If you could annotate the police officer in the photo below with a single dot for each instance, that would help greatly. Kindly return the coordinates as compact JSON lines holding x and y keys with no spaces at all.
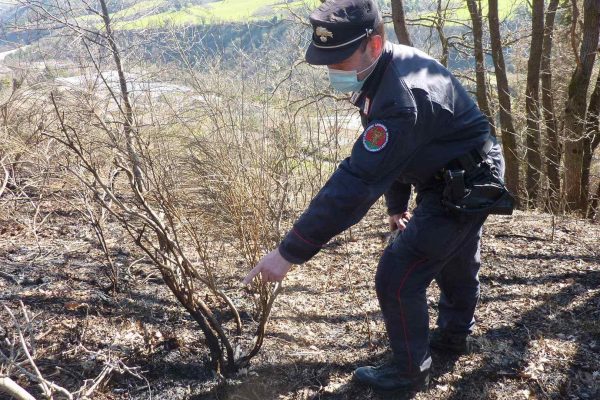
{"x":421,"y":129}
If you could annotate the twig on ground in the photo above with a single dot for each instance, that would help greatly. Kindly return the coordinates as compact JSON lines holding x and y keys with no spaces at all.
{"x":11,"y":388}
{"x":20,"y":356}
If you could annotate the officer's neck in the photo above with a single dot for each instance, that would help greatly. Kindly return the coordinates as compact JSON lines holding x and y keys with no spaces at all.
{"x":372,"y":81}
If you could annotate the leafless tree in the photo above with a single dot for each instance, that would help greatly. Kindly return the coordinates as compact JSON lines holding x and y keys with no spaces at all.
{"x":591,"y":141}
{"x":480,"y":70}
{"x":399,"y":18}
{"x":576,"y":107}
{"x":532,"y":106}
{"x":552,"y":149}
{"x":509,"y":139}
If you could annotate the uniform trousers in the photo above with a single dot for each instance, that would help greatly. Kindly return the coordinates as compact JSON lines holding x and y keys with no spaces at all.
{"x":436,"y":244}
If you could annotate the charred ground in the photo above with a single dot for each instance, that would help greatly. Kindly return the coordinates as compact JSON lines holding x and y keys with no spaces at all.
{"x":537,"y":320}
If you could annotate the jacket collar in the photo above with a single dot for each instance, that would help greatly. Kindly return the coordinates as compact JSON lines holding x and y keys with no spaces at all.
{"x":373,"y":81}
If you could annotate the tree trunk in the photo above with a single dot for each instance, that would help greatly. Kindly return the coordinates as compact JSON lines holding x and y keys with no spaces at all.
{"x":509,"y":141}
{"x":482,"y":98}
{"x":400,"y":23}
{"x":532,"y":106}
{"x":11,"y":388}
{"x":594,"y":209}
{"x":573,"y":30}
{"x":590,"y":142}
{"x":552,"y":148}
{"x":127,"y":111}
{"x":575,"y":107}
{"x":439,"y":26}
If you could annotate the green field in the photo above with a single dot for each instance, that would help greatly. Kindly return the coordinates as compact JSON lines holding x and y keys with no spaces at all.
{"x":139,"y":8}
{"x":158,"y":13}
{"x":219,"y":11}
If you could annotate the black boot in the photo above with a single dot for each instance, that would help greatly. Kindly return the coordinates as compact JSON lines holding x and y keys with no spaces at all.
{"x":388,"y":377}
{"x":452,"y":342}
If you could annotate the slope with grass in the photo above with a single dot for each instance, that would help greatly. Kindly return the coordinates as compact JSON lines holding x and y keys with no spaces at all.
{"x":150,"y":14}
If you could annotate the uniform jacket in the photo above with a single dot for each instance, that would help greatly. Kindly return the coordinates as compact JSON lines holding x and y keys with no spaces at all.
{"x":416,"y":117}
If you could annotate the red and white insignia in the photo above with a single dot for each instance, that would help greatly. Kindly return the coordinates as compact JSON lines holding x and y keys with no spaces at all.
{"x":367,"y":106}
{"x":375,"y":137}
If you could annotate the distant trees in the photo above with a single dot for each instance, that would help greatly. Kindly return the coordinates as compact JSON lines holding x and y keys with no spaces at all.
{"x":591,"y":141}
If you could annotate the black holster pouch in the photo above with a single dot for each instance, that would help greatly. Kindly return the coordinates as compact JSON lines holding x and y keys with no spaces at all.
{"x":471,"y":186}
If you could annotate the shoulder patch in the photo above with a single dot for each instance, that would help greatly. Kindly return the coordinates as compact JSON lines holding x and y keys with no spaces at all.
{"x":375,"y":137}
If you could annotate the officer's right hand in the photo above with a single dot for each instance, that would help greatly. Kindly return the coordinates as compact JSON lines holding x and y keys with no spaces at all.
{"x":399,"y":221}
{"x":272,"y":268}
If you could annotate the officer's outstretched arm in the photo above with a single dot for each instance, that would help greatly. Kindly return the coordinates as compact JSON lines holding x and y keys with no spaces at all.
{"x":377,"y":159}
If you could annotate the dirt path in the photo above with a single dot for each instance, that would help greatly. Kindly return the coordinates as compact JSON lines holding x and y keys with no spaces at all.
{"x":5,"y":54}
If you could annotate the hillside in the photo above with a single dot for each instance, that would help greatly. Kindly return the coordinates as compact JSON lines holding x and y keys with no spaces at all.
{"x":155,"y":13}
{"x":245,"y":24}
{"x":148,"y":14}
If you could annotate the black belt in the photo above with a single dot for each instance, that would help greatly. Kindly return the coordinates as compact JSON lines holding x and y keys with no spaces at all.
{"x":473,"y":158}
{"x":471,"y":184}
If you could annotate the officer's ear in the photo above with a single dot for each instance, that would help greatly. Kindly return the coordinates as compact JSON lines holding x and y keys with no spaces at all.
{"x":375,"y":45}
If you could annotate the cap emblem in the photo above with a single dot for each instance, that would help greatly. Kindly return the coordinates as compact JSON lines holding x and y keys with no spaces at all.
{"x":323,"y":33}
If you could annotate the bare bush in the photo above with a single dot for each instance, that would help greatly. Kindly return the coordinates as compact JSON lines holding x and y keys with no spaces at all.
{"x":197,"y":174}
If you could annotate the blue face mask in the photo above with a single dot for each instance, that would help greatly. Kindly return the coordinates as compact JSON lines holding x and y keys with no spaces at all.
{"x":347,"y":81}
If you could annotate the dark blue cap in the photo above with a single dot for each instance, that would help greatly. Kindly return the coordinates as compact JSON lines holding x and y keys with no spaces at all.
{"x":338,"y":29}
